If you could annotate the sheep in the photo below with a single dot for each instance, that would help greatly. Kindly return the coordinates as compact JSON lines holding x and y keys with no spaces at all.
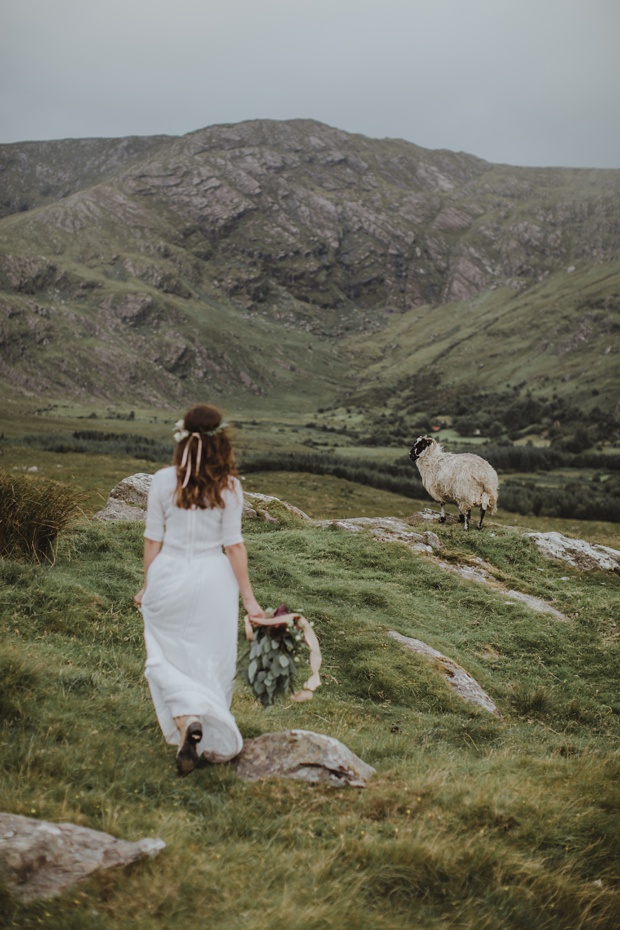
{"x":466,"y":479}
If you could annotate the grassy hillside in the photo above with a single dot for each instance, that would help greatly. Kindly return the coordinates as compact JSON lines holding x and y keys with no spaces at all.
{"x":470,"y":822}
{"x":482,"y":359}
{"x":242,"y":261}
{"x":76,"y":323}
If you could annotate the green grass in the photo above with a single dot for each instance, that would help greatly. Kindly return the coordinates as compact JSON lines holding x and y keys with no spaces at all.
{"x":324,"y":497}
{"x":470,"y":821}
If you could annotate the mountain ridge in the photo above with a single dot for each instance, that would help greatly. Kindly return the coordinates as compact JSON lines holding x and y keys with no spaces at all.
{"x":163,"y":253}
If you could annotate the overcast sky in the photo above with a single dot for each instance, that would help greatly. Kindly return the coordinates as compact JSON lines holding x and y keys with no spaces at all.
{"x":528,"y":82}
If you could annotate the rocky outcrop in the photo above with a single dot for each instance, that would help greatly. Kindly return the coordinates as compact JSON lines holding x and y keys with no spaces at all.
{"x":393,"y":530}
{"x":388,"y":529}
{"x":428,"y":515}
{"x":576,"y":552}
{"x":303,"y":756}
{"x":270,"y":509}
{"x":333,"y":217}
{"x":482,"y":573}
{"x":460,"y":681}
{"x":35,"y":173}
{"x":128,"y":499}
{"x":40,"y":859}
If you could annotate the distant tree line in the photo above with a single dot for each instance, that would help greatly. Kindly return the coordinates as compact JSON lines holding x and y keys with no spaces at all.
{"x":96,"y":442}
{"x":495,"y":415}
{"x":399,"y":478}
{"x":576,"y":498}
{"x":596,"y":498}
{"x":506,"y":457}
{"x":571,"y":501}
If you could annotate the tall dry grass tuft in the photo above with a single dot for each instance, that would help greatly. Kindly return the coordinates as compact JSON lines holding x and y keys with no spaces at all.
{"x":32,"y":515}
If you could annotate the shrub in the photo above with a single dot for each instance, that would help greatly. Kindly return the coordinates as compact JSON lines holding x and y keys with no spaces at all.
{"x":32,"y":514}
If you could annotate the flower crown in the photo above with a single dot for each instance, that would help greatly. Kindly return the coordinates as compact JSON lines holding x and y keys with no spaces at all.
{"x":180,"y":433}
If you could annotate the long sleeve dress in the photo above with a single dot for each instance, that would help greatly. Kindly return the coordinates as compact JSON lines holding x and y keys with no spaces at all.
{"x":190,"y":609}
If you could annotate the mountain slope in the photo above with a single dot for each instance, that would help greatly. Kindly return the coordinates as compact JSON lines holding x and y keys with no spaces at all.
{"x":559,"y":338}
{"x":36,"y":173}
{"x":222,"y":261}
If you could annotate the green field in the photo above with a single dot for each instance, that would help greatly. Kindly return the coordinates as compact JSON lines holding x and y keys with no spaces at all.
{"x":324,"y":471}
{"x":470,"y":821}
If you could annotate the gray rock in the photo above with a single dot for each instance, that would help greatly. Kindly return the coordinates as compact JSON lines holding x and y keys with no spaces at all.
{"x":304,"y":756}
{"x":119,"y":510}
{"x":537,"y":604}
{"x":432,"y":539}
{"x":257,"y":507}
{"x":133,"y":490}
{"x":460,"y":681}
{"x":481,"y":574}
{"x":388,"y":529}
{"x":577,"y":552}
{"x":128,"y":499}
{"x":39,"y":859}
{"x":427,"y":515}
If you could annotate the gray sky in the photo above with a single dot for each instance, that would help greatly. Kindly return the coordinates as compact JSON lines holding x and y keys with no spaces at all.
{"x":528,"y":82}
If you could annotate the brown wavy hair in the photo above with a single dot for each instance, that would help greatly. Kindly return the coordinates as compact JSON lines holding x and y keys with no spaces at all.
{"x":212,"y":474}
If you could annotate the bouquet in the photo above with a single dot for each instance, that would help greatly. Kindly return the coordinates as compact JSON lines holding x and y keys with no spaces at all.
{"x":275,"y":652}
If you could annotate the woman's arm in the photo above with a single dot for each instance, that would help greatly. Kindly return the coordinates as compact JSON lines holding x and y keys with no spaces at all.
{"x":152,"y":549}
{"x":238,"y":558}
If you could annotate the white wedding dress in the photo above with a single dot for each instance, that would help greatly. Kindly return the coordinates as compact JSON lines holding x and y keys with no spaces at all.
{"x":190,"y":609}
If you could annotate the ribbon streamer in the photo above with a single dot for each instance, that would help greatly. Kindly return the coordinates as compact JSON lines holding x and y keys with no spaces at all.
{"x":306,"y":693}
{"x":186,"y":461}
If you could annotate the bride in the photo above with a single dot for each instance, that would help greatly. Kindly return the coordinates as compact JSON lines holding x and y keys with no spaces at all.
{"x":190,"y":598}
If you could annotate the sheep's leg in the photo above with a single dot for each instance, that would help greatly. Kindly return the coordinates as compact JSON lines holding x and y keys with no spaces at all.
{"x":482,"y":513}
{"x":442,"y":513}
{"x":466,"y":519}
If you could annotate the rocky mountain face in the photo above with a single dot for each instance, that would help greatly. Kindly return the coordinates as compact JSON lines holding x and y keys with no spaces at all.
{"x":333,"y":218}
{"x":161,"y":250}
{"x":35,"y":173}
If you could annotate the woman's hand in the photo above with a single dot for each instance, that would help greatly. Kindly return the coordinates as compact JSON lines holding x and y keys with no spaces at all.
{"x":138,"y":597}
{"x":253,"y":608}
{"x":254,"y":612}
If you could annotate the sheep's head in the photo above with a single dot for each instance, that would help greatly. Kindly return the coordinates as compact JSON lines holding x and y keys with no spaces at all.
{"x":421,"y":444}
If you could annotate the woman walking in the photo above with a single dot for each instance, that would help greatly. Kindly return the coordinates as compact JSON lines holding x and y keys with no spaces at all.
{"x":190,"y":598}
